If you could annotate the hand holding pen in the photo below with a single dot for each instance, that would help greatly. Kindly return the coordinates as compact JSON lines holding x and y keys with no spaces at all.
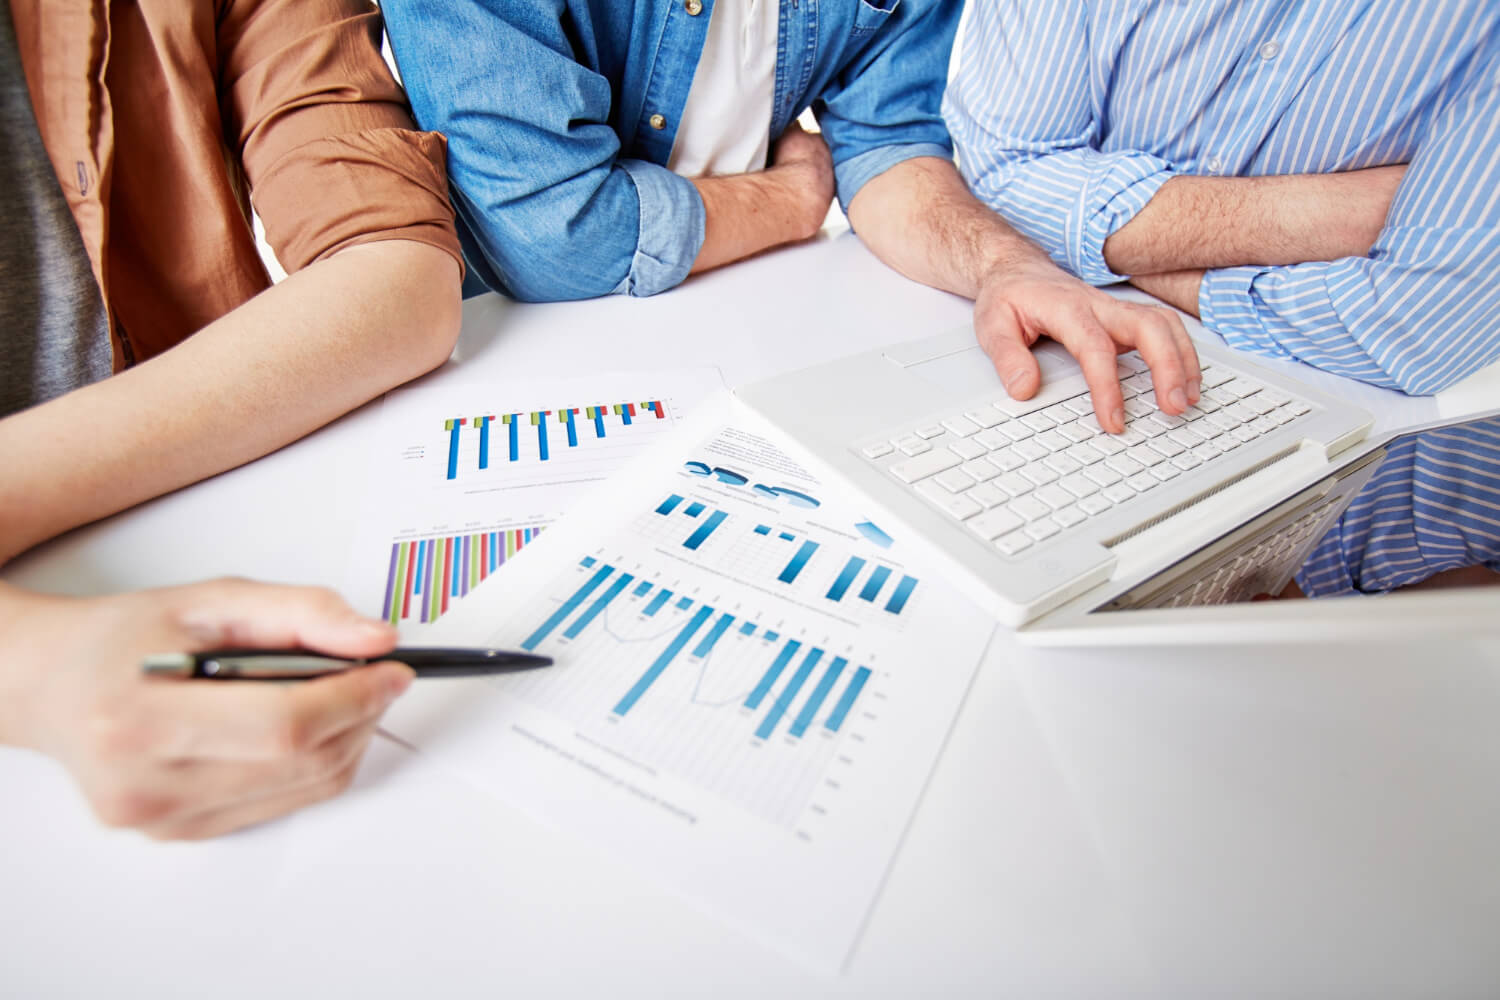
{"x":188,"y":759}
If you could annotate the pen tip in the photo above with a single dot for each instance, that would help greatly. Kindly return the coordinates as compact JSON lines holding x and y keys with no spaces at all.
{"x":168,"y":663}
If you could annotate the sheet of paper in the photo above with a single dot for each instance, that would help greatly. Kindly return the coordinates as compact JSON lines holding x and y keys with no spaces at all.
{"x":751,"y":686}
{"x":462,"y":476}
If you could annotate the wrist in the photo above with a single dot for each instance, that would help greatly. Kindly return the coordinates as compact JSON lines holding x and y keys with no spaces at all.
{"x":806,"y":191}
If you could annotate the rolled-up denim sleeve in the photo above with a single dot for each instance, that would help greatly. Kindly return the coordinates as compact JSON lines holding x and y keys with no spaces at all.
{"x":549,"y":207}
{"x":1027,"y":136}
{"x":886,"y":104}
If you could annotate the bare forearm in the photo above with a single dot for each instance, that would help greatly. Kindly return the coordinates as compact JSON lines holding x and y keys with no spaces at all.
{"x":1175,"y":288}
{"x":1213,"y":222}
{"x":293,"y":358}
{"x":748,"y":213}
{"x":920,"y":219}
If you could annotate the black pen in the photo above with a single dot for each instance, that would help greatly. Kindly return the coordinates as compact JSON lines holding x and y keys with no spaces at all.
{"x":300,"y":664}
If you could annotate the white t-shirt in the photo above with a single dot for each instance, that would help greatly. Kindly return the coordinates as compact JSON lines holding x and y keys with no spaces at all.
{"x":726,"y":125}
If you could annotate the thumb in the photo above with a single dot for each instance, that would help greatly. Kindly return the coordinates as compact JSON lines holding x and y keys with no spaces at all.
{"x":1008,"y":351}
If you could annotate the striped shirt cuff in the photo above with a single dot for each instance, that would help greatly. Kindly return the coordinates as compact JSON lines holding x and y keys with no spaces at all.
{"x":1110,"y":200}
{"x":1226,"y":306}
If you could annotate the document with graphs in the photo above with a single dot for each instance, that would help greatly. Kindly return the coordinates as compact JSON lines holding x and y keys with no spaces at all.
{"x":751,"y":685}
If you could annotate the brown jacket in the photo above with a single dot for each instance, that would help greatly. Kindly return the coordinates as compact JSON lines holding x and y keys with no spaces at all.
{"x":165,"y":119}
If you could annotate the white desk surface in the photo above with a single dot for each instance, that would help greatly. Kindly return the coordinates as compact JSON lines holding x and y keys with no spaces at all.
{"x":1255,"y":822}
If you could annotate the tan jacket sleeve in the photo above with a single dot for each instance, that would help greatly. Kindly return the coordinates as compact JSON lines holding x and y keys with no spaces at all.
{"x":328,"y":145}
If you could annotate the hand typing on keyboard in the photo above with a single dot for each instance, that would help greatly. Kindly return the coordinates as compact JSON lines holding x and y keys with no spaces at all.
{"x":1021,"y":303}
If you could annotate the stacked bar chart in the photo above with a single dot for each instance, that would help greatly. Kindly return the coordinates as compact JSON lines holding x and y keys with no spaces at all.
{"x":535,"y":435}
{"x":785,"y":700}
{"x":426,"y":575}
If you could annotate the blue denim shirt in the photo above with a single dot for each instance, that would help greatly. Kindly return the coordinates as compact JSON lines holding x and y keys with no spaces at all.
{"x":558,"y":176}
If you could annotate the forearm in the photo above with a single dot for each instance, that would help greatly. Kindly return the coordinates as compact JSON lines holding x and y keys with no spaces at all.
{"x":748,"y":213}
{"x":1175,"y":288}
{"x":919,"y":218}
{"x":1214,"y":222}
{"x":298,"y":355}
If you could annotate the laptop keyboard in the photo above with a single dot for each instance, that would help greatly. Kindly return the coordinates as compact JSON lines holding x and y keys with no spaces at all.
{"x":1018,"y":481}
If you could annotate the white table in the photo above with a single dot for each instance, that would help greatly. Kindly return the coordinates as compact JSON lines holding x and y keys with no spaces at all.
{"x":1145,"y":822}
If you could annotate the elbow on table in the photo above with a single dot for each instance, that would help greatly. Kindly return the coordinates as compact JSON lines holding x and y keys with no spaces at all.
{"x":430,"y":303}
{"x":1421,"y":364}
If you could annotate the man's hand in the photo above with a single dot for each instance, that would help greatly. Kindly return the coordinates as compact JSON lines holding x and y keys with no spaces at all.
{"x":806,"y":155}
{"x":191,"y":758}
{"x":1019,"y":303}
{"x":919,"y":218}
{"x":786,"y":202}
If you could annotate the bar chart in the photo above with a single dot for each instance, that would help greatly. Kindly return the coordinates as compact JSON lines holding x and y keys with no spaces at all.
{"x":426,"y":575}
{"x":863,"y":582}
{"x":749,"y":701}
{"x":476,"y":443}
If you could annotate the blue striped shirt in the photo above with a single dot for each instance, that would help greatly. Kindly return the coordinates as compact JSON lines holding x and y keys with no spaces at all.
{"x":1433,"y":505}
{"x":1070,"y":115}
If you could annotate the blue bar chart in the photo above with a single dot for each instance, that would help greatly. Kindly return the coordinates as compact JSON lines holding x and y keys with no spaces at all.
{"x":468,"y":439}
{"x":798,"y":688}
{"x":795,"y":557}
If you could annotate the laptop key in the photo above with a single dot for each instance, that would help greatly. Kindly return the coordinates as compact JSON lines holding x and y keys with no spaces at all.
{"x":1103,"y":475}
{"x":1028,"y":508}
{"x":1079,"y":485}
{"x":955,"y":505}
{"x":992,"y":439}
{"x":1044,"y":529}
{"x":1015,"y":484}
{"x":912,"y":445}
{"x":1117,"y":492}
{"x":1061,"y":464}
{"x":1040,"y":475}
{"x":980,"y":469}
{"x":1097,"y":504}
{"x":1141,"y":482}
{"x":961,"y":426}
{"x":1006,"y":459}
{"x":1054,"y":496}
{"x":967,"y":448}
{"x":935,"y":430}
{"x":988,"y":495}
{"x":1084,"y":454}
{"x":1014,"y":543}
{"x":879,"y":450}
{"x":954,"y":480}
{"x":1069,"y":516}
{"x":1107,"y":444}
{"x":922,"y":466}
{"x":994,"y":523}
{"x":984,"y":417}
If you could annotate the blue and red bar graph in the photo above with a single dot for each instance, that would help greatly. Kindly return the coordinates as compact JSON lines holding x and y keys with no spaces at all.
{"x":567,"y":419}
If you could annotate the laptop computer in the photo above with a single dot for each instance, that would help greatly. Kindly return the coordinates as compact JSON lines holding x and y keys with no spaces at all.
{"x":1032,"y":506}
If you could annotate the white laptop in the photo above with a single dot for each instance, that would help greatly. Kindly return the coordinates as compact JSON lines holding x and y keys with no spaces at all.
{"x":1032,"y":505}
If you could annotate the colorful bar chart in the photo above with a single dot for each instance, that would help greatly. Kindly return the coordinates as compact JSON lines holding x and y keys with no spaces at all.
{"x":426,"y":575}
{"x":565,"y":419}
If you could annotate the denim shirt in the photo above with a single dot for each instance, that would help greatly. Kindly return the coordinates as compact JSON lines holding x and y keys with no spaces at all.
{"x":561,"y":115}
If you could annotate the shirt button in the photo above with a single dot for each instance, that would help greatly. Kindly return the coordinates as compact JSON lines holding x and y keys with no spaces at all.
{"x":1270,"y":50}
{"x":657,"y":122}
{"x":693,"y":7}
{"x":1214,"y":164}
